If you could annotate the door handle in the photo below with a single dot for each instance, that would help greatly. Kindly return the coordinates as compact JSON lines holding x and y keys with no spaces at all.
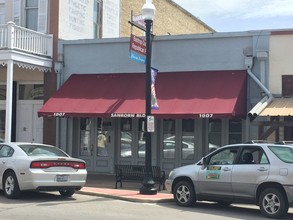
{"x":227,"y":169}
{"x":262,"y":169}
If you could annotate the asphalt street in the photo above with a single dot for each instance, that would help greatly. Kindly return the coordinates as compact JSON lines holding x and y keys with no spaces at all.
{"x":51,"y":206}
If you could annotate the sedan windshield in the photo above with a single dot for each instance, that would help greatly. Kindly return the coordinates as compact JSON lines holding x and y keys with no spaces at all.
{"x":283,"y":153}
{"x":41,"y":150}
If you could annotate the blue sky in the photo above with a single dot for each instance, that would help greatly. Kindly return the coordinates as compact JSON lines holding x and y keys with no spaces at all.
{"x":241,"y":15}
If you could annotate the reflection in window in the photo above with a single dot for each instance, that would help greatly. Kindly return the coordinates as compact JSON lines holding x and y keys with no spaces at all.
{"x":102,"y":144}
{"x":126,"y":137}
{"x":85,"y":128}
{"x":31,"y":92}
{"x":168,"y":138}
{"x":235,"y":131}
{"x":187,"y":147}
{"x":224,"y":157}
{"x":141,"y":138}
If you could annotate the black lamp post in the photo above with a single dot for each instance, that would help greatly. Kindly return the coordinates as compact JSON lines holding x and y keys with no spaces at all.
{"x":148,"y":187}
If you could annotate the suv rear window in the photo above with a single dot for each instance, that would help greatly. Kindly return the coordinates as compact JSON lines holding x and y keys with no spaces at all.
{"x":283,"y":153}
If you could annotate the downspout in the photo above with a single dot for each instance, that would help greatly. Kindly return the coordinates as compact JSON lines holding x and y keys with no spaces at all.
{"x":254,"y":112}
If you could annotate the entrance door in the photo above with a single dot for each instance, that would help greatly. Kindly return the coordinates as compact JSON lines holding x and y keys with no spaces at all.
{"x":29,"y":127}
{"x":96,"y":144}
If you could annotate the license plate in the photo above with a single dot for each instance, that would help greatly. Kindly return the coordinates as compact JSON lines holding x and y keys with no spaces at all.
{"x":62,"y":178}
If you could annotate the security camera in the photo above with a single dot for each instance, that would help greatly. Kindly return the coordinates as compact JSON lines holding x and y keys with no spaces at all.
{"x":58,"y":66}
{"x":248,"y":62}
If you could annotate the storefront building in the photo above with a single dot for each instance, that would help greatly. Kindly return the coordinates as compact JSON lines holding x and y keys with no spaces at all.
{"x":203,"y":89}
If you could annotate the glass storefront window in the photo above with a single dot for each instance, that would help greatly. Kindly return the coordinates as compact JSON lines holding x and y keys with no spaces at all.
{"x":141,"y":138}
{"x":2,"y":125}
{"x":85,"y":128}
{"x":31,"y":92}
{"x":169,"y":139}
{"x":102,"y":143}
{"x":126,"y":137}
{"x":215,"y":133}
{"x":235,"y":131}
{"x":2,"y":92}
{"x":187,"y":147}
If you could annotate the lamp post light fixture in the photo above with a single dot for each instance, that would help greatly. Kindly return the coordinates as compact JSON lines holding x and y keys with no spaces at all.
{"x":148,"y":187}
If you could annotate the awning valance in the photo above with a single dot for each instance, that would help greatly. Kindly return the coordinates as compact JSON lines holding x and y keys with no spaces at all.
{"x":209,"y":94}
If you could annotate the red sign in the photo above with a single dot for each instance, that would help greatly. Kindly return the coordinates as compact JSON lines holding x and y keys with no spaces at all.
{"x":137,"y":45}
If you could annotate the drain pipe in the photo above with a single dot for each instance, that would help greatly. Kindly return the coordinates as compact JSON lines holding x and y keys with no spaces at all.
{"x":254,"y":112}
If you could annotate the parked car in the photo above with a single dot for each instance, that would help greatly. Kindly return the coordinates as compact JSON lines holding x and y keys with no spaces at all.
{"x":27,"y":166}
{"x":257,"y":173}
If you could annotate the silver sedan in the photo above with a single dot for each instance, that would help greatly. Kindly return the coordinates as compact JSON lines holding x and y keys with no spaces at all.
{"x":40,"y":167}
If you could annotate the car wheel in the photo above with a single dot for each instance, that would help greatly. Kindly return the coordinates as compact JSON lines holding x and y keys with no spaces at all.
{"x":11,"y":187}
{"x":272,"y":203}
{"x":67,"y":192}
{"x":184,"y":194}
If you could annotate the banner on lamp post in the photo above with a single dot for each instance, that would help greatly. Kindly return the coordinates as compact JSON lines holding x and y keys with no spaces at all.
{"x":154,"y":100}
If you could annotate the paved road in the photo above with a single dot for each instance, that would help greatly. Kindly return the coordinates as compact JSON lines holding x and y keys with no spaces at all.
{"x":50,"y":206}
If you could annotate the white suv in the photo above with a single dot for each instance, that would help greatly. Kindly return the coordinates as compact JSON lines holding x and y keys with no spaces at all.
{"x":257,"y":173}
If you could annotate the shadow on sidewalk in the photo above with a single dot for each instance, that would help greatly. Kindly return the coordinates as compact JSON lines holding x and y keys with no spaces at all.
{"x":108,"y":181}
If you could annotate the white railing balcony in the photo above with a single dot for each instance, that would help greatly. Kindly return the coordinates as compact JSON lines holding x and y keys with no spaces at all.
{"x":14,"y":37}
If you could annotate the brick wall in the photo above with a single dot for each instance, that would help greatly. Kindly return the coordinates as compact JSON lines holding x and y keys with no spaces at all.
{"x":169,"y":19}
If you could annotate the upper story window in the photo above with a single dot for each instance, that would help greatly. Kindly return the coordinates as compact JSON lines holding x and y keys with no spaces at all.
{"x":97,"y":18}
{"x":31,"y":11}
{"x":32,"y":14}
{"x":2,"y":13}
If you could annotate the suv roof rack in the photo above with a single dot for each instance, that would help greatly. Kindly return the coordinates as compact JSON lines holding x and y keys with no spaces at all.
{"x":259,"y":141}
{"x":284,"y":142}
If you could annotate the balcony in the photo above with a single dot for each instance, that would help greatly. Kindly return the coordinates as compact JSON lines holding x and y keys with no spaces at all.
{"x":25,"y":46}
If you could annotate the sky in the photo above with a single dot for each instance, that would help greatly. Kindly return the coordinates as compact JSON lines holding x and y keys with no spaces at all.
{"x":241,"y":15}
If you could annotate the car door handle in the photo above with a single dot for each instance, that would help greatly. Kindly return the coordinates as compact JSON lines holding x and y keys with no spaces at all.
{"x":262,"y":169}
{"x":3,"y":162}
{"x":226,"y":169}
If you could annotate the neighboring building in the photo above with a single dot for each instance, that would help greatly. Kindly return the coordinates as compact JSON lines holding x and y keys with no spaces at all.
{"x":26,"y":56}
{"x":276,"y":122}
{"x":170,"y":19}
{"x":67,"y":20}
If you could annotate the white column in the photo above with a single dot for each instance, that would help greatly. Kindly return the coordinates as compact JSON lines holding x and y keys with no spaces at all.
{"x":9,"y":86}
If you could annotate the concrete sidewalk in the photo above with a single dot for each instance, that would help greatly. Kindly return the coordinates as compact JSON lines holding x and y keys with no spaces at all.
{"x":104,"y":185}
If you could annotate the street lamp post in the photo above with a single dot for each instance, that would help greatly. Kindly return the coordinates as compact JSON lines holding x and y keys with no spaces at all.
{"x":148,"y":187}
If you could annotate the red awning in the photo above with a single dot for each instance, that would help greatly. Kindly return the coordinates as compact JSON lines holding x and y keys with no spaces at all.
{"x":213,"y":94}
